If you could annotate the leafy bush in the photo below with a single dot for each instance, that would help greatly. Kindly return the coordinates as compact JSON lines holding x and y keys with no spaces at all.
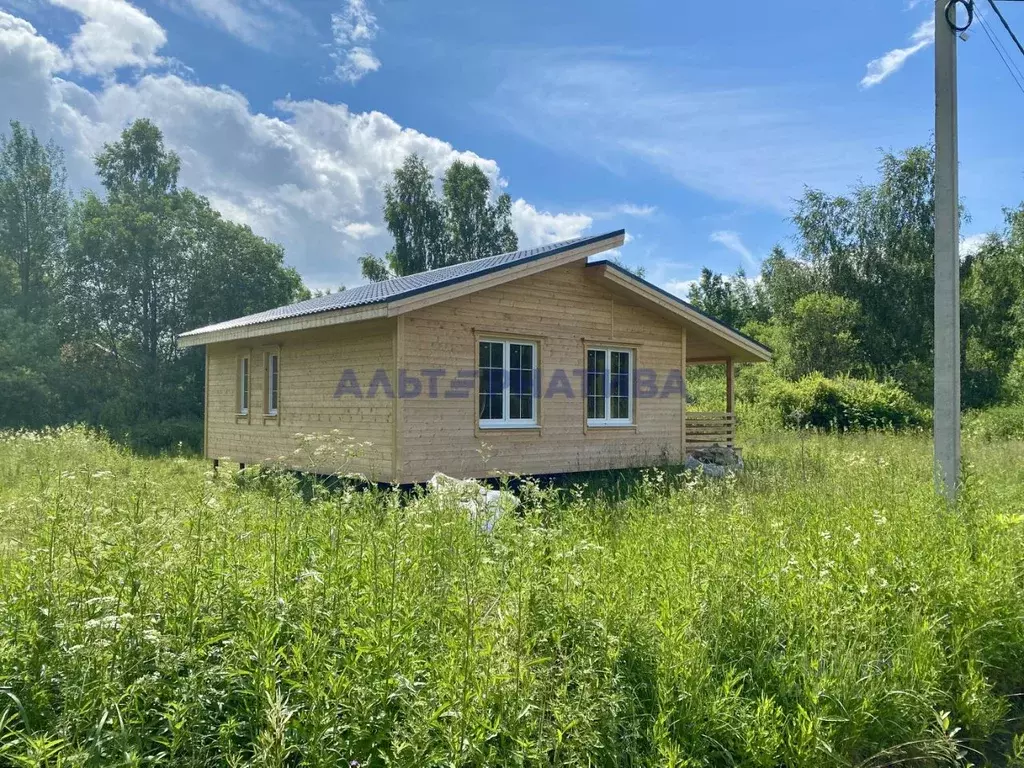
{"x":153,"y":437}
{"x":998,"y":423}
{"x":841,"y":403}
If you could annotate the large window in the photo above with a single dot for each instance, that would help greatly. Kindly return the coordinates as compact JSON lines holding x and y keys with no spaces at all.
{"x":273,"y":382}
{"x":508,"y":396}
{"x":243,"y":385}
{"x":609,"y":387}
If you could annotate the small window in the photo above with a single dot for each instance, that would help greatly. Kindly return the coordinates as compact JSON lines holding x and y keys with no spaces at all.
{"x":508,"y":395}
{"x":243,"y":385}
{"x":273,"y":382}
{"x":609,"y":387}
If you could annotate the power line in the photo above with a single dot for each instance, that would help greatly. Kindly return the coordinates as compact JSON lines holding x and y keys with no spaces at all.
{"x":1003,"y":54}
{"x":1006,"y":25}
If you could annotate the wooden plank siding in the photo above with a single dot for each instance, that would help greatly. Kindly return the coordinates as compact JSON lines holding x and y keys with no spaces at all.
{"x":311,"y":365}
{"x":563,"y":310}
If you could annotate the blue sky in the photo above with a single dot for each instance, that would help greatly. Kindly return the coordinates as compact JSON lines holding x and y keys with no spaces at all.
{"x":691,"y":125}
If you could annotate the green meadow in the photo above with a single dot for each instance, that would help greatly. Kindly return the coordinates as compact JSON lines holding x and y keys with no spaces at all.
{"x":824,"y":608}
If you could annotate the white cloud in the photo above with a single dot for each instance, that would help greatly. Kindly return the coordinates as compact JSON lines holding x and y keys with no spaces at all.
{"x":680,"y":288}
{"x":889,"y":63}
{"x":307,"y":174}
{"x":971,"y":244}
{"x":354,"y":28}
{"x":734,"y":243}
{"x":115,"y":34}
{"x":632,"y":209}
{"x":759,"y":144}
{"x":259,"y":23}
{"x":540,"y":227}
{"x":360,"y":230}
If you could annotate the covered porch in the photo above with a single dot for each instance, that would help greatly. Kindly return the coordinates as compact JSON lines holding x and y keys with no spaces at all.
{"x":705,"y":341}
{"x":703,"y":428}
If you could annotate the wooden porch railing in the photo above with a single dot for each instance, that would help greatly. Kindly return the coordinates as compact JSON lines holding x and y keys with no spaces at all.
{"x":704,"y":429}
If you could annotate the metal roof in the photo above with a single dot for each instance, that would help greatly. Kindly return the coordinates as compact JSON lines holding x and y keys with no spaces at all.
{"x":403,"y":287}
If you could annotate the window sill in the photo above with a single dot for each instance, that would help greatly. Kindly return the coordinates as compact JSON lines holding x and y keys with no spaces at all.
{"x":610,"y":425}
{"x":520,"y":427}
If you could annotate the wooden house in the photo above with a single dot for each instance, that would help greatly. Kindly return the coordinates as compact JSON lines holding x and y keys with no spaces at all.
{"x":534,"y":362}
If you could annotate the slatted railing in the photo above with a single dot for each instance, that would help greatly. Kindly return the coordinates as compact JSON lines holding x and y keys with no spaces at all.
{"x":704,"y":429}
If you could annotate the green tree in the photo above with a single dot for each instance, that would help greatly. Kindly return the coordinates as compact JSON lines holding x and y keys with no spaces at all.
{"x":822,"y":337}
{"x":874,"y":246}
{"x":374,"y":268}
{"x":430,"y":232}
{"x":415,"y":218}
{"x":129,"y":262}
{"x":33,"y":219}
{"x":735,"y":301}
{"x":784,"y":281}
{"x":475,"y":226}
{"x":992,"y":316}
{"x":148,"y":261}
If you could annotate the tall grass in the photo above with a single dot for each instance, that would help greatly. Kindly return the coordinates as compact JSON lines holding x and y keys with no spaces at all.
{"x":821,"y":610}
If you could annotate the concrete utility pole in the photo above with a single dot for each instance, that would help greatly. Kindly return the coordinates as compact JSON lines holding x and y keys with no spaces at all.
{"x":947,"y":258}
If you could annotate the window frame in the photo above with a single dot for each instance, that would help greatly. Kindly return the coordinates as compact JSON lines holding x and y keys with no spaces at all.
{"x":607,"y":420}
{"x":275,"y":377}
{"x":506,"y":356}
{"x":243,"y":384}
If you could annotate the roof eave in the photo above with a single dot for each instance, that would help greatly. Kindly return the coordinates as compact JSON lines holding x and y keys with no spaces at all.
{"x":622,"y":277}
{"x":414,"y":299}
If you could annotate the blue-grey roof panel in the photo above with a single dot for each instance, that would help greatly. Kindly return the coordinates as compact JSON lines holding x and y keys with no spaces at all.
{"x":403,"y":287}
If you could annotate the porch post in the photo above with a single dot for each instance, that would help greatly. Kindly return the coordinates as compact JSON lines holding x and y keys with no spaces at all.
{"x":682,"y":403}
{"x":730,"y":380}
{"x":730,"y":398}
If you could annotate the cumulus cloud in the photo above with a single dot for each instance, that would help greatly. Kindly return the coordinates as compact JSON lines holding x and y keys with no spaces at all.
{"x":540,"y":227}
{"x":971,"y":244}
{"x":354,"y":28}
{"x":307,"y":174}
{"x":115,"y":34}
{"x":891,"y":61}
{"x":680,"y":288}
{"x":360,"y":230}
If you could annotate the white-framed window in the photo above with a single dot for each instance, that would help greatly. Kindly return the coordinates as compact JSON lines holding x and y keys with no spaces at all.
{"x":507,"y":390}
{"x":609,"y":387}
{"x":243,"y":385}
{"x":273,"y":382}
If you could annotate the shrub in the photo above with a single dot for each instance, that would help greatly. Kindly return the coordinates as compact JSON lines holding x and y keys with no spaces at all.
{"x":153,"y":437}
{"x":999,"y":423}
{"x":840,"y":403}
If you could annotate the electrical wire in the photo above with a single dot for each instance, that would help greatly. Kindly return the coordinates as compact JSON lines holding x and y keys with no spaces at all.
{"x":1004,"y":55}
{"x":1006,"y":25}
{"x":951,"y":6}
{"x":1000,"y":48}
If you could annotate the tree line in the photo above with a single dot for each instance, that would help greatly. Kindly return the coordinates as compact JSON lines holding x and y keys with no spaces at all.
{"x":95,"y":287}
{"x":855,"y":295}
